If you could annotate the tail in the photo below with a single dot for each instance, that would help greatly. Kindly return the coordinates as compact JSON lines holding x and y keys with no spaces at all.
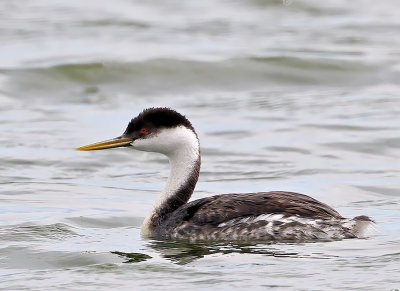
{"x":362,"y":225}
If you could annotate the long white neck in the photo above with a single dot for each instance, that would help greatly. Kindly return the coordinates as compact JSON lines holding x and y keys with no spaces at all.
{"x":181,"y":146}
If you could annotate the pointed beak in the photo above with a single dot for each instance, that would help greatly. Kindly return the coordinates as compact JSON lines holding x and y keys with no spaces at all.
{"x":107,"y":144}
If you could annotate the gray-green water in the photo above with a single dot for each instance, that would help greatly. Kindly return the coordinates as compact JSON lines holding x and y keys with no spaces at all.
{"x":296,"y":95}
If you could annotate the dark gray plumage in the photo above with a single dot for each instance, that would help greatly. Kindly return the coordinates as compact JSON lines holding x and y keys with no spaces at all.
{"x":212,"y":217}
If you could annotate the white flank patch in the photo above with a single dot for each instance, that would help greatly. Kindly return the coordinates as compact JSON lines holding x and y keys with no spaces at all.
{"x":278,"y":227}
{"x":263,"y":217}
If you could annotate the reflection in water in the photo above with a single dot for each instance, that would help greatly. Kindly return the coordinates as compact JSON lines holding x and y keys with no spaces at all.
{"x":183,"y":252}
{"x":132,"y":257}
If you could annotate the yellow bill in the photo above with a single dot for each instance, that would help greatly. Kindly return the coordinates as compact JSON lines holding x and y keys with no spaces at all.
{"x":107,"y":144}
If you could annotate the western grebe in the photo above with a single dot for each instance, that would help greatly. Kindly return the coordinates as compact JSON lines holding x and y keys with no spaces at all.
{"x":262,"y":216}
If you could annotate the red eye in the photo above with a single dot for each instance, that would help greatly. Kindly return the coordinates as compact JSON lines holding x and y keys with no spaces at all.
{"x":144,"y":130}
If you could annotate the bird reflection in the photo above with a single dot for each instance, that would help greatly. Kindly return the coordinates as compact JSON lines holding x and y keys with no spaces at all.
{"x":184,"y":252}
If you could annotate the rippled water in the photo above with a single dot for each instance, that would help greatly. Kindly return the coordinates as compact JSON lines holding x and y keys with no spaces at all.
{"x":294,"y":95}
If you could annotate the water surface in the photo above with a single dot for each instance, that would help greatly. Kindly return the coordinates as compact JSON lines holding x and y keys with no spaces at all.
{"x":296,"y":95}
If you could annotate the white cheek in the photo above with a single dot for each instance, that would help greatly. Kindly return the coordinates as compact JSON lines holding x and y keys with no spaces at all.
{"x":169,"y":141}
{"x":150,"y":144}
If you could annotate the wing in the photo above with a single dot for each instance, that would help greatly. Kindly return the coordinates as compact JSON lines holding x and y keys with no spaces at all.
{"x":221,"y":208}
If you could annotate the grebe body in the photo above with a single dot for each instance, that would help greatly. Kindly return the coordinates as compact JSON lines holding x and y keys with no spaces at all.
{"x":262,"y":216}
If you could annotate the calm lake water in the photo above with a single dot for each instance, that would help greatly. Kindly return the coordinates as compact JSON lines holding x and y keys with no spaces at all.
{"x":285,"y":95}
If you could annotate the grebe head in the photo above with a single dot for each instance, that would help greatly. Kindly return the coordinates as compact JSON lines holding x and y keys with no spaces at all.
{"x":165,"y":131}
{"x":160,"y":130}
